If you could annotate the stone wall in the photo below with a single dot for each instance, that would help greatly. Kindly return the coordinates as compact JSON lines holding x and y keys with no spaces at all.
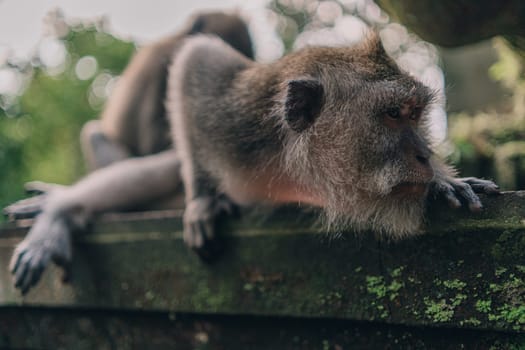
{"x":281,"y":283}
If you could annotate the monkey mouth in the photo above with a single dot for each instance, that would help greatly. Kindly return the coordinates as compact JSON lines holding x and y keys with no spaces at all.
{"x":410,"y":189}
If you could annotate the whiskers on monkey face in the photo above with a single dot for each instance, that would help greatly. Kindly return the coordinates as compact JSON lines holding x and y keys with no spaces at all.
{"x":393,"y":215}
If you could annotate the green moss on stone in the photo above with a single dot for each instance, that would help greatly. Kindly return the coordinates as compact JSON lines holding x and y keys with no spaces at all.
{"x":438,"y":311}
{"x":472,"y":321}
{"x":483,"y":306}
{"x":455,"y":284}
{"x":509,"y":246}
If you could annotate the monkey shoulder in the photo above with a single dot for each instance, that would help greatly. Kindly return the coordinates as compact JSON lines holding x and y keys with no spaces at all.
{"x":205,"y":66}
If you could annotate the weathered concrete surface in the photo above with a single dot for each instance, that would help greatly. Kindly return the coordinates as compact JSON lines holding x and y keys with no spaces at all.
{"x":467,"y":271}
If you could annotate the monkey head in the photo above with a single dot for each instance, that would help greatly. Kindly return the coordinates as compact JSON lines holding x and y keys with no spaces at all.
{"x":357,"y":136}
{"x":230,"y":28}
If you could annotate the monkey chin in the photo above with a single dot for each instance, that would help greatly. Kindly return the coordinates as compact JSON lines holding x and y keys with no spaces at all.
{"x":397,"y":215}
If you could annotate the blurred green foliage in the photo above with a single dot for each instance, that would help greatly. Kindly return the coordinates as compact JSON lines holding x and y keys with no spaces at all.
{"x":492,"y":144}
{"x":39,"y":130}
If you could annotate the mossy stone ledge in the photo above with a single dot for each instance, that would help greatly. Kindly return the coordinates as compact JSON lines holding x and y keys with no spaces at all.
{"x":467,"y":272}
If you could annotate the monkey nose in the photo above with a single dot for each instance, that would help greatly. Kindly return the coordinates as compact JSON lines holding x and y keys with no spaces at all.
{"x":423,"y":167}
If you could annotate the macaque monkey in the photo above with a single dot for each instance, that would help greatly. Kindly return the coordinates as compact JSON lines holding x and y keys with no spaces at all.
{"x":343,"y":129}
{"x":128,"y":149}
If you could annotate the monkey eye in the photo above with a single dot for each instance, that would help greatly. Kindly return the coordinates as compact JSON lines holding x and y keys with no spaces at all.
{"x":393,"y":113}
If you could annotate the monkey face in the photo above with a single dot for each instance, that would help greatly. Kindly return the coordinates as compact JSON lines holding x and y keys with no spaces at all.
{"x":377,"y":137}
{"x":399,"y":155}
{"x":363,"y":146}
{"x":373,"y":170}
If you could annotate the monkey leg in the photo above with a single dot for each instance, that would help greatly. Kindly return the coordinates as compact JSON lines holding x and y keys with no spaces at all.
{"x":119,"y":186}
{"x":98,"y":150}
{"x":201,"y":217}
{"x":203,"y":210}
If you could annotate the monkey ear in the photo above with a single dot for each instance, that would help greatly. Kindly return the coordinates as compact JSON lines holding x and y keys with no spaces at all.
{"x":304,"y":99}
{"x":373,"y":46}
{"x":374,"y":43}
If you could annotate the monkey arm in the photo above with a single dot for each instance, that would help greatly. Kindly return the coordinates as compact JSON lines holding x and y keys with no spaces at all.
{"x":200,"y":77}
{"x":457,"y":190}
{"x":127,"y":183}
{"x":68,"y":210}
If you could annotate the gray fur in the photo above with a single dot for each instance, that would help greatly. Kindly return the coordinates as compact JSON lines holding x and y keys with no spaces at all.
{"x":222,"y":106}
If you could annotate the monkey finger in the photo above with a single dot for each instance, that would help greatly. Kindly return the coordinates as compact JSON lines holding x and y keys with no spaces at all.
{"x":481,"y":185}
{"x":208,"y":229}
{"x":468,"y":194}
{"x":487,"y":189}
{"x":14,"y":264}
{"x":490,"y":188}
{"x":32,"y":276}
{"x":64,"y":261}
{"x":22,"y":271}
{"x":25,"y":208}
{"x":451,"y":198}
{"x":187,"y":234}
{"x":474,"y":180}
{"x":199,"y":235}
{"x":39,"y":187}
{"x":30,"y":268}
{"x":192,"y":236}
{"x":37,"y":273}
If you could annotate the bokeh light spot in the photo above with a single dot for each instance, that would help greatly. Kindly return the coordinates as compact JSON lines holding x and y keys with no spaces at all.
{"x":86,"y":67}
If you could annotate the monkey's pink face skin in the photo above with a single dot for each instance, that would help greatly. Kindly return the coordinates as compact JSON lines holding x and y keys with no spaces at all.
{"x":405,"y":120}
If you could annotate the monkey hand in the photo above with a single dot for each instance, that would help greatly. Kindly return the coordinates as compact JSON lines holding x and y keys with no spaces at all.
{"x":30,"y":207}
{"x":200,"y":224}
{"x":48,"y":240}
{"x":458,"y":190}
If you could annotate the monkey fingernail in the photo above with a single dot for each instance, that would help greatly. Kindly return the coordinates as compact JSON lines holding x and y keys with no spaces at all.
{"x":453,"y":202}
{"x":475,"y":207}
{"x":493,"y":190}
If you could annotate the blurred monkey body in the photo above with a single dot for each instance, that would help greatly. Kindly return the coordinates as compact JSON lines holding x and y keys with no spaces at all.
{"x":134,"y":121}
{"x":343,"y":129}
{"x":129,"y":151}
